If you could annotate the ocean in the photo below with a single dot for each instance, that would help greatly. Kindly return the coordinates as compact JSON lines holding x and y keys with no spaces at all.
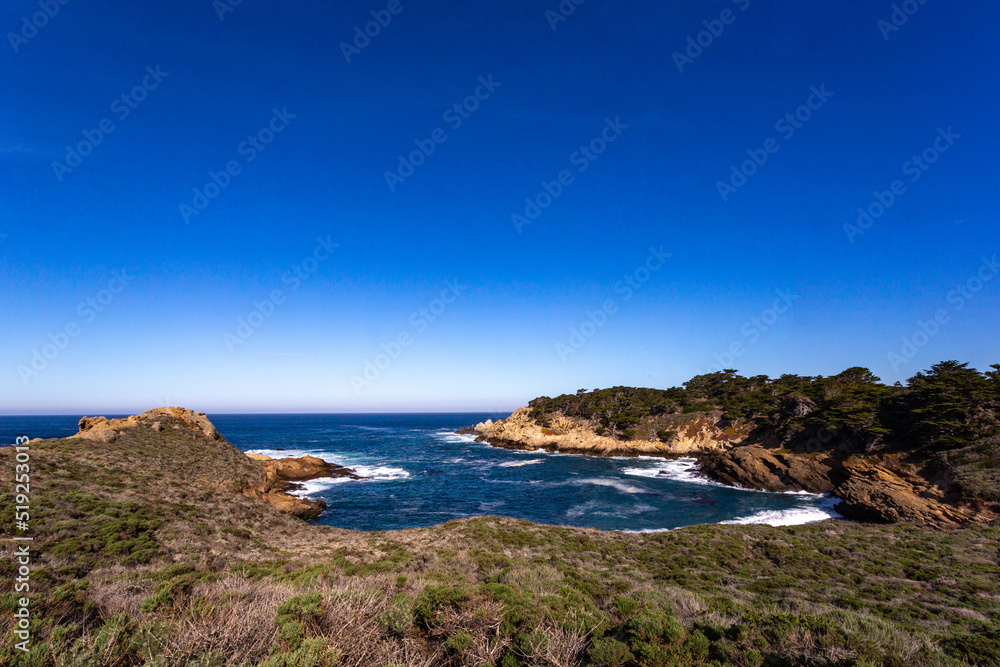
{"x":420,"y":473}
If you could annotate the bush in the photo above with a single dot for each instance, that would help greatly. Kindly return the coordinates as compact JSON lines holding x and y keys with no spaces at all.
{"x":398,"y":618}
{"x":434,"y":597}
{"x":311,"y":653}
{"x":609,"y":652}
{"x":650,"y":626}
{"x":459,"y":641}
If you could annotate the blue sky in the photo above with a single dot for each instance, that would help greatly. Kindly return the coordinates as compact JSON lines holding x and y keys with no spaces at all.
{"x":641,"y":144}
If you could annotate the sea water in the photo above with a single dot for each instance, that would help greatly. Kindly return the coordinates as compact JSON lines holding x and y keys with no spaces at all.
{"x":418,"y":472}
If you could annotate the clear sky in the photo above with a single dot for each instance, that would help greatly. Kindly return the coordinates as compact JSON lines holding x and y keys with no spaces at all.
{"x":165,"y":168}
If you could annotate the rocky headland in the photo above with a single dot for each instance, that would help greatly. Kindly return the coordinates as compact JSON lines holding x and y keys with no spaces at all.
{"x":277,"y":478}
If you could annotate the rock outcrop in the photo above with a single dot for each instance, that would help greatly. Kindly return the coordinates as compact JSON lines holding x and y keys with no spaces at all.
{"x":102,"y":429}
{"x":301,"y":469}
{"x":273,"y":479}
{"x":754,"y":467}
{"x":282,"y":475}
{"x":571,"y":436}
{"x":874,"y":494}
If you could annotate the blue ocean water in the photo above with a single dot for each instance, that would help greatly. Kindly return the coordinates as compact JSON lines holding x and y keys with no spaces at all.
{"x":421,"y":473}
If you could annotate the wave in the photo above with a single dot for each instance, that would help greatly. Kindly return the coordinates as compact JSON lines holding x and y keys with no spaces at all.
{"x":609,"y":482}
{"x":678,"y":470}
{"x":518,"y":464}
{"x":686,"y":470}
{"x":380,"y":473}
{"x":794,"y":516}
{"x":316,"y":486}
{"x":451,"y":438}
{"x":282,"y":454}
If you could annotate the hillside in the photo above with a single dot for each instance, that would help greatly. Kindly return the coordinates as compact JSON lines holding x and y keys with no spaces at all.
{"x":926,"y":452}
{"x":154,"y":544}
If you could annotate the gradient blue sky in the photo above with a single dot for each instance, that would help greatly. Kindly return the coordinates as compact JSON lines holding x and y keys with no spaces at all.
{"x":161,"y":339}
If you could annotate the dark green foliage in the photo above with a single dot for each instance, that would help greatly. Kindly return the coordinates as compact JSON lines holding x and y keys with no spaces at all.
{"x":610,"y":652}
{"x":947,"y":418}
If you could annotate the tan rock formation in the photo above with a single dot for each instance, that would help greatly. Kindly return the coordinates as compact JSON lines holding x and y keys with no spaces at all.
{"x":102,"y":429}
{"x":301,"y":469}
{"x":875,"y":494}
{"x":564,"y":434}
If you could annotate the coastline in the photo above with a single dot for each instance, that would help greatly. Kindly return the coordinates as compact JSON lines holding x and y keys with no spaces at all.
{"x":866,"y":489}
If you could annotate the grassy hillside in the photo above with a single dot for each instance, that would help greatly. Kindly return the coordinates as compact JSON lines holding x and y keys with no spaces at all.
{"x":148,"y":551}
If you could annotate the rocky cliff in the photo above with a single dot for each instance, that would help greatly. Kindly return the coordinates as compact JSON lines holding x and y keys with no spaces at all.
{"x":575,"y":436}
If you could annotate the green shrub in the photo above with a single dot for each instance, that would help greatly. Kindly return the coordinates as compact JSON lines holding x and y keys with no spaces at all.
{"x":609,"y":652}
{"x":651,"y":626}
{"x":459,"y":641}
{"x":625,"y":606}
{"x":398,"y":618}
{"x":433,"y":598}
{"x":310,"y":653}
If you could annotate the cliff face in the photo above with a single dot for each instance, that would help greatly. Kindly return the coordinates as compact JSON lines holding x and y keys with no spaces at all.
{"x":870,"y":492}
{"x":572,"y":436}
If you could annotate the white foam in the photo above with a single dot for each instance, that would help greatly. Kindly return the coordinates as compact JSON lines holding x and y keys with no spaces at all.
{"x":793,"y":517}
{"x":283,"y":454}
{"x":316,"y":486}
{"x":451,"y":437}
{"x":518,"y":464}
{"x":579,"y":510}
{"x":678,"y":470}
{"x":380,"y":473}
{"x":686,"y":470}
{"x":609,"y":482}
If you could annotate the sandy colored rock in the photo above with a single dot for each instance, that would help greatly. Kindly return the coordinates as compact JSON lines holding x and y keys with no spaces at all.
{"x":875,"y":494}
{"x":102,"y":429}
{"x":301,"y":469}
{"x":519,"y":431}
{"x":300,"y":507}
